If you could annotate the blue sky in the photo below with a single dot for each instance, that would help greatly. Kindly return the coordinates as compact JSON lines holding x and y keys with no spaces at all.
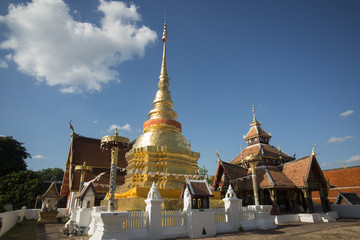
{"x":97,"y":63}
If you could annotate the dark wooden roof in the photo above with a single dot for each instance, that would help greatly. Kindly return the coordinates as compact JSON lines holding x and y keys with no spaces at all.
{"x":84,"y":149}
{"x":198,"y":188}
{"x":297,"y":173}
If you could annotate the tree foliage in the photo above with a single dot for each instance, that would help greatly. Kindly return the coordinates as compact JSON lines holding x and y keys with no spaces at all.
{"x":203,"y":172}
{"x":12,"y":156}
{"x":20,"y":188}
{"x":51,"y":174}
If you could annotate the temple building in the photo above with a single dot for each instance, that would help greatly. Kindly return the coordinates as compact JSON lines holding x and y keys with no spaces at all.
{"x":161,"y":154}
{"x":264,"y":175}
{"x":85,"y":163}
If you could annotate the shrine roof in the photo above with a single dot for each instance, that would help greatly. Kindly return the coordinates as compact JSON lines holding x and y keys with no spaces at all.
{"x":298,"y":170}
{"x":278,"y":177}
{"x":86,"y":189}
{"x":233,"y":171}
{"x":266,"y":177}
{"x":199,"y":188}
{"x":265,"y":150}
{"x":51,"y":192}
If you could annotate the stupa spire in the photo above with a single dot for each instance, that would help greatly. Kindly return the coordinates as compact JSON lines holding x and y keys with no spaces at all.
{"x":163,"y":105}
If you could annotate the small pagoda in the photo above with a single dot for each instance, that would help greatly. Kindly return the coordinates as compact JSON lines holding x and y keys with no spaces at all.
{"x":49,"y":201}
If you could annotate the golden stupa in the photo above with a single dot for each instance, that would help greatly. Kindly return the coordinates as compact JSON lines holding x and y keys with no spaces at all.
{"x":161,"y":154}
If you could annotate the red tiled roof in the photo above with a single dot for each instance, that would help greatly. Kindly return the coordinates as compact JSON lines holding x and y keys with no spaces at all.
{"x":297,"y":171}
{"x":279,"y":178}
{"x":343,"y":177}
{"x":345,"y":180}
{"x":268,"y":151}
{"x":233,"y":171}
{"x":256,"y":131}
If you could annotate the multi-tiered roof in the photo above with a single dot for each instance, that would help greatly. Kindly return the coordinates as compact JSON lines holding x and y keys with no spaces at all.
{"x":258,"y":140}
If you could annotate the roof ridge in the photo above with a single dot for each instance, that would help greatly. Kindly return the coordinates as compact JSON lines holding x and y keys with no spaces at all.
{"x":296,"y":160}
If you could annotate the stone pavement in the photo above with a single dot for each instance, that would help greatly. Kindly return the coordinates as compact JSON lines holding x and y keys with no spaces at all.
{"x":342,"y":229}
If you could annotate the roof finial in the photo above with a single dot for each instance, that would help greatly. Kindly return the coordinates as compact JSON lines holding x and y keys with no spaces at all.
{"x":313,"y":150}
{"x":254,"y":122}
{"x":219,"y":159}
{"x":71,"y":126}
{"x":253,"y":110}
{"x":116,"y":132}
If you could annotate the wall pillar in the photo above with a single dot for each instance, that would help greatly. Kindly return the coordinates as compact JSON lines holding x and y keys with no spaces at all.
{"x":323,"y":199}
{"x":309,"y":202}
{"x":153,"y":211}
{"x":232,"y":209}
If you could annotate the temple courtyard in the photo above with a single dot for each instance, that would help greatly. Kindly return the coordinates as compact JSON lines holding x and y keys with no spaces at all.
{"x":341,"y":229}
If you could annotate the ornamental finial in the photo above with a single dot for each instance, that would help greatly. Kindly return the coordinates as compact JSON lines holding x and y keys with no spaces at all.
{"x":313,"y":150}
{"x":254,"y":122}
{"x":219,"y":159}
{"x":116,"y":132}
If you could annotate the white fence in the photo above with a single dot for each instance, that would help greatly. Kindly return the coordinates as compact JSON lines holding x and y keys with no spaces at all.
{"x":220,"y":215}
{"x":135,"y":220}
{"x":172,"y":218}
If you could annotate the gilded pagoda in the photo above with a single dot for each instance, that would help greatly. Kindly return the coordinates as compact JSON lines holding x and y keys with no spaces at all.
{"x":161,"y":154}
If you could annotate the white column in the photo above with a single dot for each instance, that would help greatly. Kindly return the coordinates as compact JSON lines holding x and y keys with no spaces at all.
{"x":232,"y":208}
{"x":153,"y":211}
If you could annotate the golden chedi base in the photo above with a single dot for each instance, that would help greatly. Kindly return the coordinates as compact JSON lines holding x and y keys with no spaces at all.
{"x":134,"y":199}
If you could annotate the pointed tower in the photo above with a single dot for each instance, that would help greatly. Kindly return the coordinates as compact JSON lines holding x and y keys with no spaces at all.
{"x":161,"y":154}
{"x":258,"y":144}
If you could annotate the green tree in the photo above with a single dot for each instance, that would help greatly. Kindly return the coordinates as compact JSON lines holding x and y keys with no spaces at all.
{"x":20,"y":188}
{"x":203,"y":172}
{"x":51,"y":174}
{"x":12,"y":156}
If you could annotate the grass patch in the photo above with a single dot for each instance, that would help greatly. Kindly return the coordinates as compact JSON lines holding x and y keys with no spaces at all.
{"x":25,"y":230}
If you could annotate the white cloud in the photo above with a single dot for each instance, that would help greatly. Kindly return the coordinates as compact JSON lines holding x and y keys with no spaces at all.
{"x":78,"y":57}
{"x":326,"y":164}
{"x":352,"y":159}
{"x":346,"y":113}
{"x":126,"y":127}
{"x":38,"y":156}
{"x":3,"y":64}
{"x":339,"y":139}
{"x":95,"y":121}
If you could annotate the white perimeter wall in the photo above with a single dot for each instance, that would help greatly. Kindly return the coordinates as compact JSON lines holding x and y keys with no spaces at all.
{"x":347,"y":211}
{"x":9,"y":219}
